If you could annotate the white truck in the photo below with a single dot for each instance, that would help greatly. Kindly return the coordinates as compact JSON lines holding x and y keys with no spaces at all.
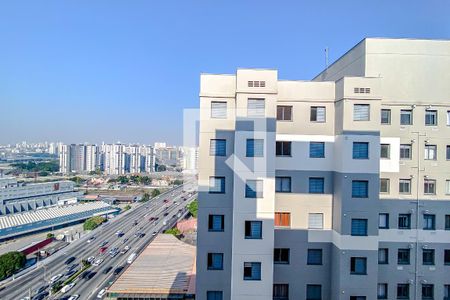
{"x":131,"y":258}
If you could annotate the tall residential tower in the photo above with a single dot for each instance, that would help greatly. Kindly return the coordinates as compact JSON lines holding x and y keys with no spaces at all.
{"x":335,"y":188}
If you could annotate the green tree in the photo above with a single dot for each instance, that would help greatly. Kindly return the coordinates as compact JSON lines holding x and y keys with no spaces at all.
{"x":50,"y":235}
{"x":145,"y":197}
{"x":10,"y":263}
{"x":174,"y":231}
{"x":155,"y":193}
{"x":177,"y":182}
{"x":123,"y":179}
{"x":127,"y":207}
{"x":193,"y":208}
{"x":92,"y":223}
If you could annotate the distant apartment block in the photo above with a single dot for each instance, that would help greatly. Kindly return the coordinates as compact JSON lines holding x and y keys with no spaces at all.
{"x":334,"y":188}
{"x":189,"y":160}
{"x":111,"y":159}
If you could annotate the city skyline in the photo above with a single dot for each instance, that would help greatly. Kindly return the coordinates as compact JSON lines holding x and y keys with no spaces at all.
{"x":111,"y":71}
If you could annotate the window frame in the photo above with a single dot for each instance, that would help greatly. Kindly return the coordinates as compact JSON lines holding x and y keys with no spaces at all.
{"x":355,"y":231}
{"x":429,"y":218}
{"x":211,"y":223}
{"x":411,"y":116}
{"x":388,"y":114}
{"x":427,"y":183}
{"x":217,"y":142}
{"x":256,"y":112}
{"x":403,"y":287}
{"x":252,"y":265}
{"x":353,"y":265}
{"x":313,"y":253}
{"x":279,"y":218}
{"x":386,"y":254}
{"x":386,"y":215}
{"x":366,"y":193}
{"x":281,"y":179}
{"x":388,"y":185}
{"x":385,"y":295}
{"x":311,"y":180}
{"x":222,"y":185}
{"x":254,"y":193}
{"x":388,"y":151}
{"x":367,"y":106}
{"x":248,"y":230}
{"x":278,"y":257}
{"x":255,"y":143}
{"x":434,"y":115}
{"x":406,"y":217}
{"x":282,"y":147}
{"x":312,"y":151}
{"x":281,"y":112}
{"x":308,"y":292}
{"x":311,"y":114}
{"x":406,"y":147}
{"x":403,"y":256}
{"x":402,"y":182}
{"x":211,"y":116}
{"x":356,"y":153}
{"x":210,"y":262}
{"x":430,"y":148}
{"x":428,"y":257}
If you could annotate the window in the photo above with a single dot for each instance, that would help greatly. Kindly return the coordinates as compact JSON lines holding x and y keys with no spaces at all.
{"x":253,"y":229}
{"x":403,"y":291}
{"x":316,"y":185}
{"x":216,"y":223}
{"x":255,"y":148}
{"x":430,"y":152}
{"x":383,"y":221}
{"x":256,"y":108}
{"x":448,"y":117}
{"x":284,"y":113}
{"x":447,"y":256}
{"x":406,"y":117}
{"x":281,"y":256}
{"x":385,"y":116}
{"x":403,"y":256}
{"x":404,"y":186}
{"x":447,"y":222}
{"x":385,"y":151}
{"x":383,"y":256}
{"x":217,"y":185}
{"x":357,"y":297}
{"x":447,"y":292}
{"x":316,"y":150}
{"x":431,"y":117}
{"x":214,"y":295}
{"x":215,"y":261}
{"x":282,"y":219}
{"x":313,"y":292}
{"x":384,"y":185}
{"x":218,"y":110}
{"x":252,"y":271}
{"x":217,"y":147}
{"x":361,"y":112}
{"x":427,"y":291}
{"x":283,"y":184}
{"x":429,"y":186}
{"x":447,"y":152}
{"x":283,"y":148}
{"x":360,"y":189}
{"x":314,"y":257}
{"x":405,"y":151}
{"x":254,"y":189}
{"x":280,"y":291}
{"x":317,"y":114}
{"x":404,"y":221}
{"x":315,"y":221}
{"x":358,"y":265}
{"x":428,"y":256}
{"x":429,"y":222}
{"x":359,"y":227}
{"x":360,"y":150}
{"x":382,"y":291}
{"x":256,"y":83}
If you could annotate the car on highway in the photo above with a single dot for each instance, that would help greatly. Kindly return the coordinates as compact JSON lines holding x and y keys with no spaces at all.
{"x":98,"y":262}
{"x":104,"y":243}
{"x":90,"y":239}
{"x":40,"y":289}
{"x":55,"y":278}
{"x":101,"y":294}
{"x":120,"y":233}
{"x":124,"y":250}
{"x":102,"y":249}
{"x":41,"y":296}
{"x":118,"y":270}
{"x":70,"y":273}
{"x":68,"y":287}
{"x":69,"y":260}
{"x":71,"y":267}
{"x":131,"y":258}
{"x":154,"y":233}
{"x":125,"y":240}
{"x":107,"y":269}
{"x":74,"y":297}
{"x":166,"y":201}
{"x":166,"y":214}
{"x":89,"y":275}
{"x":90,"y":259}
{"x":114,"y":252}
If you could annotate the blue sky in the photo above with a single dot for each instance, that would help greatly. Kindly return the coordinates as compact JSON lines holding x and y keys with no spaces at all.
{"x":76,"y":71}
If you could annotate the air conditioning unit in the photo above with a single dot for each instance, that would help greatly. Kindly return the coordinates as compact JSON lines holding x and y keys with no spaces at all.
{"x":424,"y":246}
{"x":410,"y":246}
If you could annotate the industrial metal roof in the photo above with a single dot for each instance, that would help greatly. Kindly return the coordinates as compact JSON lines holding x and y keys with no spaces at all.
{"x":166,"y":266}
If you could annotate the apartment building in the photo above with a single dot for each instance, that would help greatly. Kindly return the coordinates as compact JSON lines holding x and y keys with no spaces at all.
{"x":334,"y":188}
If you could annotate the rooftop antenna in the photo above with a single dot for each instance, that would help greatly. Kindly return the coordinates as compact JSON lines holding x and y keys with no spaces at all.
{"x":326,"y":58}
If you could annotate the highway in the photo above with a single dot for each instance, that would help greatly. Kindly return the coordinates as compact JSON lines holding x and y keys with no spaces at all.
{"x":89,"y":286}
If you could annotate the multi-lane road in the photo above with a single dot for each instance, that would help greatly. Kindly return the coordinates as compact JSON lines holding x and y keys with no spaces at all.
{"x":166,"y":208}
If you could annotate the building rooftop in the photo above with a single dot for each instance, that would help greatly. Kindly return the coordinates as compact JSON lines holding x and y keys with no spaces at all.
{"x":29,"y":221}
{"x":166,"y":266}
